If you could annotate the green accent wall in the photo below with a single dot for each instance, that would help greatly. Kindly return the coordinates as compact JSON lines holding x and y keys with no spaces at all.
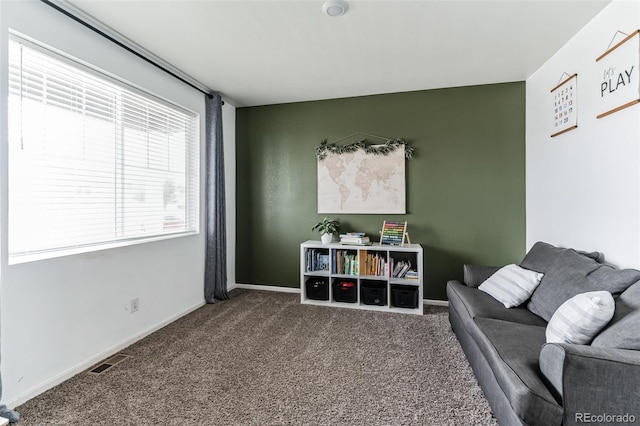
{"x":465,"y":183}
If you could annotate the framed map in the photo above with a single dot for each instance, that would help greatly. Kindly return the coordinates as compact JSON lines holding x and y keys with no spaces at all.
{"x":361,"y":182}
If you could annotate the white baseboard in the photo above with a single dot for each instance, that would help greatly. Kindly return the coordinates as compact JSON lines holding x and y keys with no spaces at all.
{"x":264,"y":287}
{"x":434,"y":302}
{"x":79,"y":368}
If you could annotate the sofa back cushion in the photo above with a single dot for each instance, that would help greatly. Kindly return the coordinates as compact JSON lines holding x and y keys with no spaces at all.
{"x":542,"y":255}
{"x":573,"y":273}
{"x":622,"y":332}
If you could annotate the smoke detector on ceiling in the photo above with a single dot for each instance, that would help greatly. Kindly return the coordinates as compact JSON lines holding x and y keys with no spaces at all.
{"x":335,"y":8}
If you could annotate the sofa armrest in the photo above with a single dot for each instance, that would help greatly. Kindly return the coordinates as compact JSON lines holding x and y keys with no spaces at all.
{"x":593,"y":381}
{"x":474,"y":275}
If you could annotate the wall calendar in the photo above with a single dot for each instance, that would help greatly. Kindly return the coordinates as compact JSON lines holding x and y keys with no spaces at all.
{"x":565,"y":106}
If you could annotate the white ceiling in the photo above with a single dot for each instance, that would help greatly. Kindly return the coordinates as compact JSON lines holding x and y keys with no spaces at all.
{"x":268,"y":52}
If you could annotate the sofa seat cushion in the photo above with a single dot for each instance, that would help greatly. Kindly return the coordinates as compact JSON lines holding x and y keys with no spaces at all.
{"x":469,"y":303}
{"x":512,"y":350}
{"x":573,"y":273}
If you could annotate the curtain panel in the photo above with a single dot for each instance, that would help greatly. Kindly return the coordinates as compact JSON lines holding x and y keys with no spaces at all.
{"x":215,"y":280}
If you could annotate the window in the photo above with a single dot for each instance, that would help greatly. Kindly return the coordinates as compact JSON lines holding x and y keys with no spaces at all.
{"x":93,"y":161}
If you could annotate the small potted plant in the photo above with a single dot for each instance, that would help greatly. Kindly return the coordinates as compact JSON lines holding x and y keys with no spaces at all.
{"x":327,"y":228}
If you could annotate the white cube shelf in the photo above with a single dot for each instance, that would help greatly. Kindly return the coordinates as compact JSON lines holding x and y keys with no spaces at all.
{"x":372,"y":271}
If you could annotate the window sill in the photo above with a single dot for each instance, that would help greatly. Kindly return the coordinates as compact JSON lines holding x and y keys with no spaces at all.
{"x":17,"y":259}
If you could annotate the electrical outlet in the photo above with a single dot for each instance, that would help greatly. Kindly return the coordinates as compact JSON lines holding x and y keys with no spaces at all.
{"x":135,"y":305}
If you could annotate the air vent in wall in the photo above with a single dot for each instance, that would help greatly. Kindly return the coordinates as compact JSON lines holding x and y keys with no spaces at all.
{"x":106,"y":365}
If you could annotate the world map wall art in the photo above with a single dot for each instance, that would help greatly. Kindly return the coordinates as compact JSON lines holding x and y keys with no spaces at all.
{"x":362,"y":178}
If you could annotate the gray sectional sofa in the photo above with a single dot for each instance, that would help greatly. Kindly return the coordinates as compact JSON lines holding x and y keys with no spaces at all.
{"x":530,"y":382}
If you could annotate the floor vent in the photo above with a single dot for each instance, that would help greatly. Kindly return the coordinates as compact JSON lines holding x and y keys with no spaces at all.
{"x":106,"y":365}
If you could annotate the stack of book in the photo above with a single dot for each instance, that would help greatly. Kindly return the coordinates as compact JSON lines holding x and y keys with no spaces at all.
{"x":373,"y":263}
{"x":411,"y":275}
{"x":317,"y":260}
{"x":402,"y":269}
{"x":345,"y":262}
{"x":355,"y":238}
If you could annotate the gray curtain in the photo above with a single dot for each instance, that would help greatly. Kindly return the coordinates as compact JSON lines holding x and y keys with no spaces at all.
{"x":215,"y":275}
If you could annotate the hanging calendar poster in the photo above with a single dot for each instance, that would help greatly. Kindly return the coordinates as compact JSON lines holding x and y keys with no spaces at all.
{"x":565,"y":106}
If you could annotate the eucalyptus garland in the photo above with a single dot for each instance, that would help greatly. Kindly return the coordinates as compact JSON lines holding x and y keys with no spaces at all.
{"x":383,"y":149}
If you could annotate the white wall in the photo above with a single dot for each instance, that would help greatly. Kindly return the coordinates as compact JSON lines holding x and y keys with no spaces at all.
{"x":60,"y":316}
{"x":583,"y":187}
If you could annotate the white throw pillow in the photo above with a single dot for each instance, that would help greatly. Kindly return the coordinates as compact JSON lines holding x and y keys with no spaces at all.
{"x":511,"y":285}
{"x":580,"y":318}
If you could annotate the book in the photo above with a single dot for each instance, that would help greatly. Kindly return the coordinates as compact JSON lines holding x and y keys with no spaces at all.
{"x":400,"y":269}
{"x":354,"y":240}
{"x":404,"y":269}
{"x":353,"y":234}
{"x":356,"y":244}
{"x":396,"y":269}
{"x":372,"y":263}
{"x":323,"y":262}
{"x":317,"y":260}
{"x":411,"y":275}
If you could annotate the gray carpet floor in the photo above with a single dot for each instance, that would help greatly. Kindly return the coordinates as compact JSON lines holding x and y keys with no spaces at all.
{"x":262,"y":358}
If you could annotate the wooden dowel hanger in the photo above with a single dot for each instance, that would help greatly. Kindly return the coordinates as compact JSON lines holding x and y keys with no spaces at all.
{"x":365,"y":134}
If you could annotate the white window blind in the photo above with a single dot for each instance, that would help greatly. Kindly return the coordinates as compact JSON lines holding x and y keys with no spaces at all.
{"x":92,"y":160}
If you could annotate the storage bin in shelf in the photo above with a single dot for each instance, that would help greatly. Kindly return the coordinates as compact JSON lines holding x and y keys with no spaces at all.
{"x":345,"y":290}
{"x":403,"y":296}
{"x":373,"y":292}
{"x":369,"y":271}
{"x":317,"y":288}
